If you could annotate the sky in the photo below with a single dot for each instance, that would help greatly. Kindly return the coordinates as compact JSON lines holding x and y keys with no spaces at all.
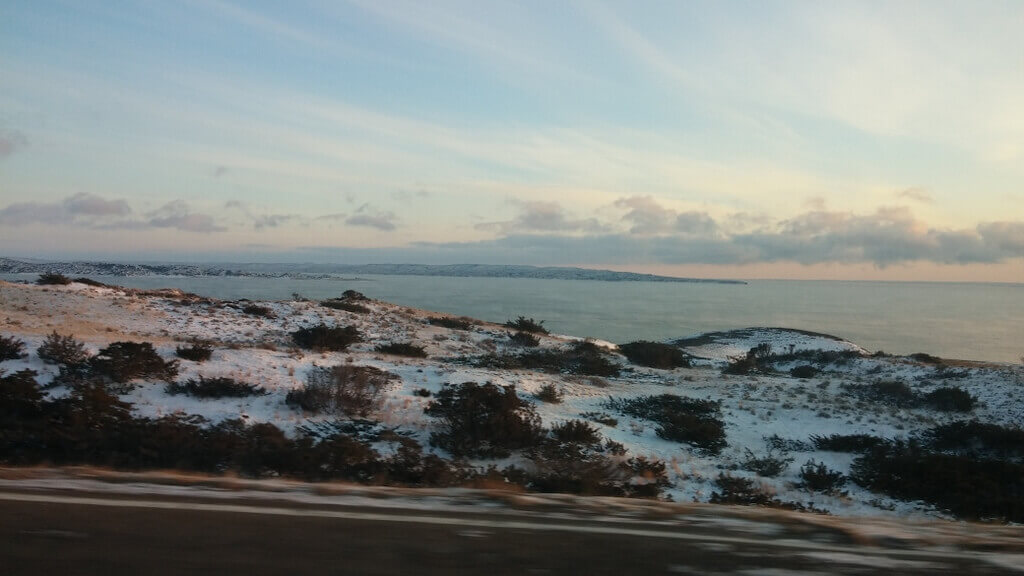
{"x":832,"y":140}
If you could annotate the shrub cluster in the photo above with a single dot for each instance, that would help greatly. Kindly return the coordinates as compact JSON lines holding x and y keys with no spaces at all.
{"x":804,"y":371}
{"x":483,"y":420}
{"x":53,"y":279}
{"x":818,"y":477}
{"x":692,"y":421}
{"x":258,"y":310}
{"x":847,"y":442}
{"x":977,"y":439}
{"x":655,"y":355}
{"x":524,"y":339}
{"x":768,"y":466}
{"x":62,"y":350}
{"x":462,"y":323}
{"x":327,"y":338}
{"x":91,"y":426}
{"x":402,"y":349}
{"x":583,"y":357}
{"x":601,"y":418}
{"x":342,"y":390}
{"x":124,"y":361}
{"x":196,"y":352}
{"x":346,"y":305}
{"x":900,"y":395}
{"x":966,"y":486}
{"x":575,"y":432}
{"x":11,"y":348}
{"x":549,"y":393}
{"x":214,"y":388}
{"x":755,"y":360}
{"x":524,"y":324}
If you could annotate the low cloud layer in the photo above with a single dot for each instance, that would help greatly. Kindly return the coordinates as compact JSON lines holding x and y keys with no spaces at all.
{"x":95,"y":212}
{"x":542,"y":217}
{"x":370,"y":217}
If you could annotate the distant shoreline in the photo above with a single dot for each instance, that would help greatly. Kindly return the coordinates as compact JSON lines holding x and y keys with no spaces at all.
{"x":330,"y":271}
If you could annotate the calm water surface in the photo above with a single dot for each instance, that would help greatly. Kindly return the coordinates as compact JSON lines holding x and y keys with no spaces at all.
{"x":973,"y":321}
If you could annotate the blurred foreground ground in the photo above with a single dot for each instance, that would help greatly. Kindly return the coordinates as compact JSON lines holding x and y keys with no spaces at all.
{"x":86,"y":521}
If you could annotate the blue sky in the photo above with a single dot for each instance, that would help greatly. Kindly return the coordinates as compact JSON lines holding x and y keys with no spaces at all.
{"x":739,"y":139}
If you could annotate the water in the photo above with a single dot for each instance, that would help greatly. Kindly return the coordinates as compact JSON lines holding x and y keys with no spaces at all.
{"x":953,"y":320}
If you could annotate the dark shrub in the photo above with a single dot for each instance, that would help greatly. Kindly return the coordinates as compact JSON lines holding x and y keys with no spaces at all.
{"x":755,"y":360}
{"x":353,"y":296}
{"x":523,"y":324}
{"x":681,"y":419}
{"x":124,"y":361}
{"x":11,"y":348}
{"x":342,"y":389}
{"x":65,"y":350}
{"x":484,"y":421}
{"x":816,"y":476}
{"x":742,"y":491}
{"x":327,"y":338}
{"x":654,"y":355}
{"x":91,"y":282}
{"x":53,"y":279}
{"x":196,"y":352}
{"x":601,"y":418}
{"x":925,"y":358}
{"x":889,"y":392}
{"x":452,"y":323}
{"x":967,"y":487}
{"x":214,"y":388}
{"x":583,"y":358}
{"x":769,"y":466}
{"x":524,"y":339}
{"x":346,"y":305}
{"x":950,"y":399}
{"x":549,"y":393}
{"x":977,"y":439}
{"x":847,"y":442}
{"x":804,"y":371}
{"x":776,"y":442}
{"x":575,"y":432}
{"x":422,"y":392}
{"x":402,"y":349}
{"x":257,"y":310}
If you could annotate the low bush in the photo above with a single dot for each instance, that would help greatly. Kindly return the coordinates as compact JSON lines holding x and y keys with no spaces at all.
{"x":968,"y":487}
{"x":451,"y":323}
{"x":327,"y":338}
{"x":847,"y":442}
{"x":91,"y":282}
{"x":53,"y":279}
{"x":755,"y":360}
{"x":804,"y":371}
{"x":575,"y":432}
{"x":11,"y":348}
{"x":523,"y":324}
{"x":976,"y":439}
{"x":346,"y":305}
{"x":549,"y":393}
{"x":740,"y":491}
{"x":124,"y":361}
{"x":62,"y":350}
{"x":483,"y":420}
{"x":818,"y":477}
{"x":196,"y":352}
{"x":402,"y":349}
{"x":585,"y":358}
{"x":692,"y":421}
{"x":925,"y":358}
{"x":950,"y":399}
{"x":654,"y":355}
{"x":353,"y":296}
{"x":214,"y":388}
{"x":422,"y":392}
{"x":524,"y":339}
{"x":785,"y":445}
{"x":342,"y":390}
{"x":258,"y":310}
{"x":889,"y":392}
{"x":768,"y":466}
{"x":601,"y":418}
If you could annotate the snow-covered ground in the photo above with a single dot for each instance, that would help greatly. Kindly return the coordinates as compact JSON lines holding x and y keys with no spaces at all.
{"x":258,"y":350}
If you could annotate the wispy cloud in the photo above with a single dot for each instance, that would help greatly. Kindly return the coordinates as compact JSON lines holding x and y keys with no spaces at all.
{"x":370,"y":217}
{"x":541,"y":216}
{"x":11,"y":141}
